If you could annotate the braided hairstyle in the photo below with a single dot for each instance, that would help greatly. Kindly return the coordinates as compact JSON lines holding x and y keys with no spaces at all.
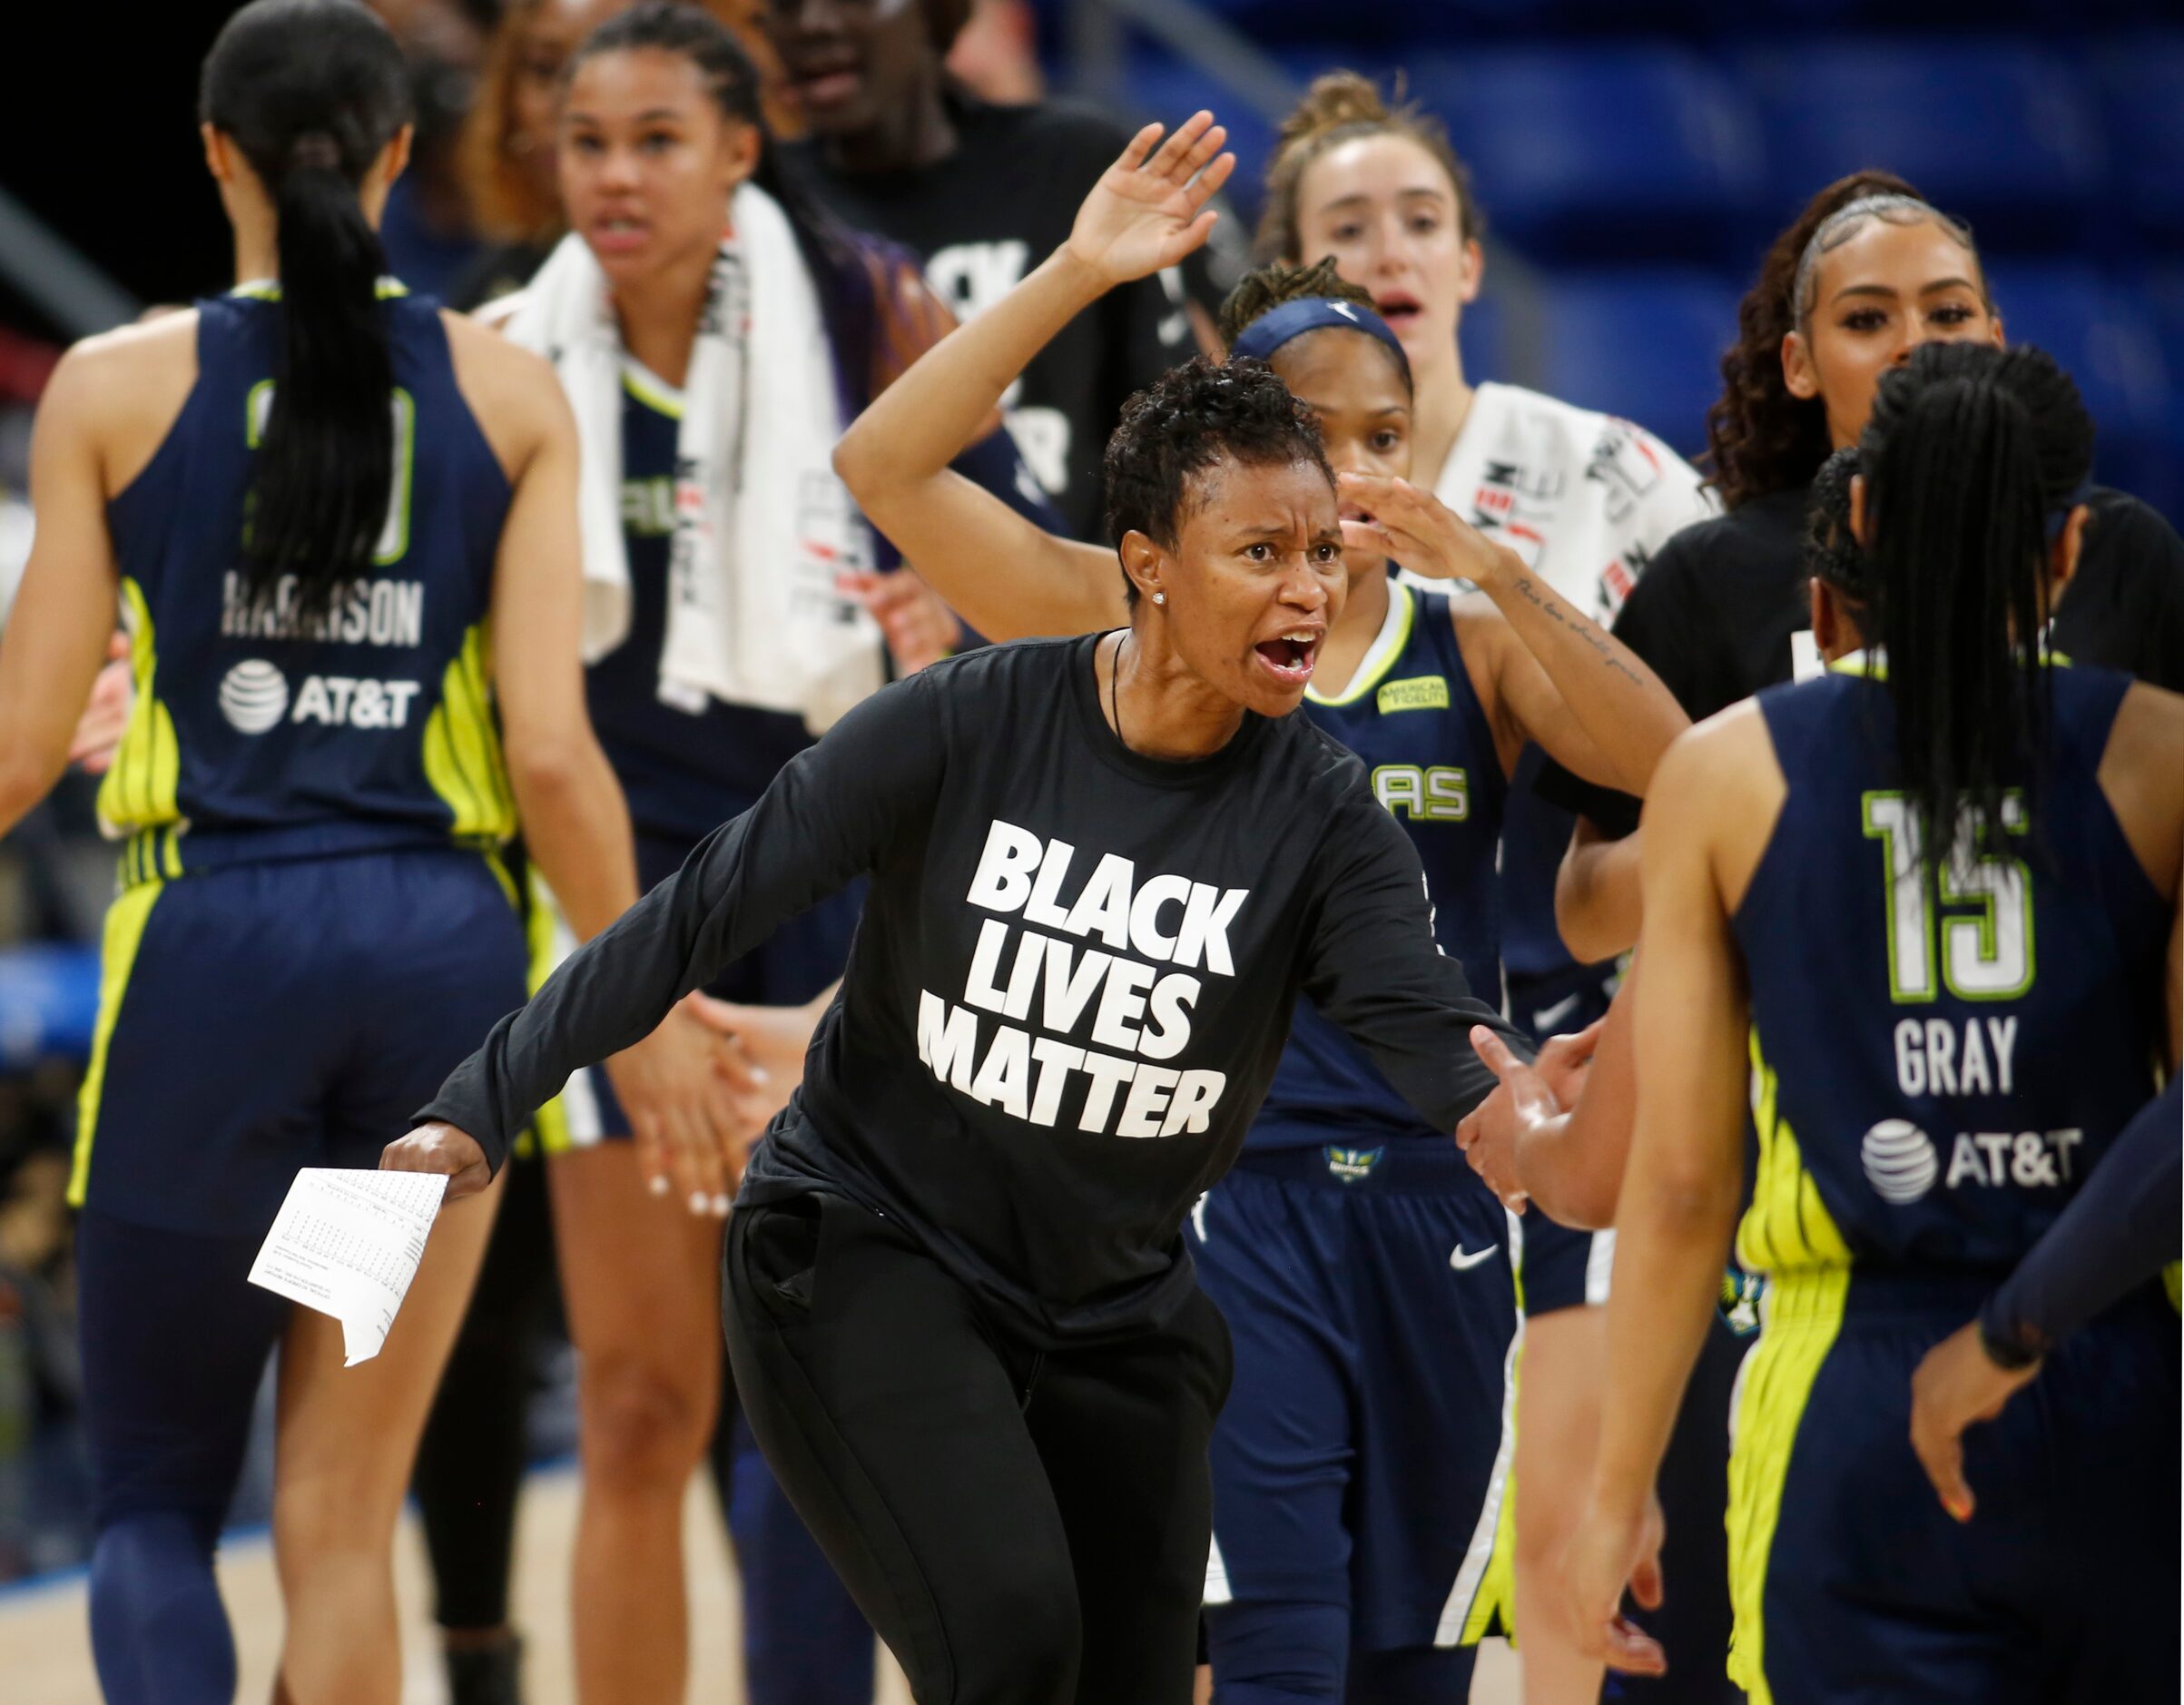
{"x":1342,"y":106}
{"x":1264,"y":288}
{"x":1759,"y":439}
{"x":1832,"y":550}
{"x":311,"y":91}
{"x":1186,"y":421}
{"x":1972,"y":457}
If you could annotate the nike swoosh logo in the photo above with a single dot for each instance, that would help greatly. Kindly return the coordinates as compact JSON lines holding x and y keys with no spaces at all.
{"x":1555,"y":1014}
{"x":1464,"y":1262}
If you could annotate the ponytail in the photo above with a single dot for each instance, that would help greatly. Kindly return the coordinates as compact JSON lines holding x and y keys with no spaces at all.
{"x":1969,"y":453}
{"x":325,"y":461}
{"x":311,"y":91}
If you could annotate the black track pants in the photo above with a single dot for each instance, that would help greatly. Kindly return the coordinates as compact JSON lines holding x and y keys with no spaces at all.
{"x":1023,"y":1528}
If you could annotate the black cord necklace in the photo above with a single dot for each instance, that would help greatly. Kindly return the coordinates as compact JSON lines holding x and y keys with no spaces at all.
{"x":1115,"y":689}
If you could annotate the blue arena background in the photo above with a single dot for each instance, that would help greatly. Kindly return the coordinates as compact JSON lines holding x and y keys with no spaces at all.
{"x":1633,"y":161}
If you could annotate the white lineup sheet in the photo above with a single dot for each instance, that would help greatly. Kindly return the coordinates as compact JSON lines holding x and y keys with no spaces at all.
{"x":347,"y":1242}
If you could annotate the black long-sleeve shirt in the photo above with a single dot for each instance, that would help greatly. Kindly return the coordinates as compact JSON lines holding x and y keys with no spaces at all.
{"x":1719,"y":612}
{"x":1072,"y":981}
{"x":2119,"y":1230}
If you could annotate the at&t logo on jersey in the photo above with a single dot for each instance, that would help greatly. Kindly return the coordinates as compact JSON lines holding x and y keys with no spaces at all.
{"x":254,"y":698}
{"x":1903,"y":1165}
{"x":1900,"y":1161}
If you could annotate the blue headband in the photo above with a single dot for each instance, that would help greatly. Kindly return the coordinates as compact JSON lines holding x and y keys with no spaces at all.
{"x":1271,"y":330}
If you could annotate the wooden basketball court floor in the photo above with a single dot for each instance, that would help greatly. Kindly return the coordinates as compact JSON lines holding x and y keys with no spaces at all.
{"x":45,"y":1645}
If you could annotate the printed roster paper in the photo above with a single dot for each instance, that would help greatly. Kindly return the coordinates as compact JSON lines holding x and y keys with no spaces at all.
{"x":347,"y":1242}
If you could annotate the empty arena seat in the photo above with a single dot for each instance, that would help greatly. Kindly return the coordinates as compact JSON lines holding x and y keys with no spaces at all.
{"x":2139,"y":81}
{"x":1999,"y":131}
{"x":1484,"y":334}
{"x":1642,"y":342}
{"x":1602,"y":154}
{"x":1397,"y":23}
{"x":2106,"y":334}
{"x":2165,"y":291}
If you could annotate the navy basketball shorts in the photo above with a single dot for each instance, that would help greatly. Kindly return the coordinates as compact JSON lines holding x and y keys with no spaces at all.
{"x":1363,"y":1456}
{"x":1853,"y":1585}
{"x":1562,"y":1268}
{"x":262,"y":1018}
{"x":803,"y":957}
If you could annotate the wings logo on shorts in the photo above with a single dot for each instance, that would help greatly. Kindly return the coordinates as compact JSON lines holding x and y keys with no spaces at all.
{"x":1350,"y":1165}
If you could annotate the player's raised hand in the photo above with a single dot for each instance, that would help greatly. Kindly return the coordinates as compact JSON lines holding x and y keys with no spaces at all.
{"x":1956,"y":1383}
{"x":440,"y":1147}
{"x":1148,"y":209}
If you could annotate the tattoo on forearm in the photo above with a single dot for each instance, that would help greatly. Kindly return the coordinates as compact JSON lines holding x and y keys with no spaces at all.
{"x":1529,"y":590}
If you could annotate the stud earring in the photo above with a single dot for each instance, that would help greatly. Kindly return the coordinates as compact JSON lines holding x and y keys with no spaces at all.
{"x":1160,"y":598}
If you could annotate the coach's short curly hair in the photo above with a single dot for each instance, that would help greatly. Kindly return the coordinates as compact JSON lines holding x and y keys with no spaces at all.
{"x":1186,"y":420}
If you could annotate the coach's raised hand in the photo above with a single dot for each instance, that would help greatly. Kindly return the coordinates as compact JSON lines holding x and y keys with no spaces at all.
{"x":440,"y":1147}
{"x":1145,"y":213}
{"x":997,"y":569}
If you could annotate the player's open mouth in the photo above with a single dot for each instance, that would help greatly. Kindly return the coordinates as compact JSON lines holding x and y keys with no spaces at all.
{"x":1399,"y":308}
{"x":1289,"y":656}
{"x":617,"y":233}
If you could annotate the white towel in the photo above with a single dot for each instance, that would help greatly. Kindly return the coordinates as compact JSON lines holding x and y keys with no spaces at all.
{"x":763,"y":525}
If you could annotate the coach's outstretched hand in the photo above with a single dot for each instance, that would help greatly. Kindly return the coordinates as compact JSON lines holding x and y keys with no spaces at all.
{"x":1147,"y":213}
{"x":440,"y":1147}
{"x":1956,"y":1383}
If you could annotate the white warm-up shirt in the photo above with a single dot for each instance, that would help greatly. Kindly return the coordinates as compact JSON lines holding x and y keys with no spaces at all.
{"x":1585,"y":498}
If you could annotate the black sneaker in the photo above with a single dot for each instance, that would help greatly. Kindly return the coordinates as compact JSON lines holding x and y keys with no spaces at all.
{"x":486,"y":1675}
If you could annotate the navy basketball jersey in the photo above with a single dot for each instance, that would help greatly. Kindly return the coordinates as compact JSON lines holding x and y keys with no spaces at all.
{"x":1410,"y":714}
{"x":258,"y":731}
{"x":1938,"y":1062}
{"x":687,"y":766}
